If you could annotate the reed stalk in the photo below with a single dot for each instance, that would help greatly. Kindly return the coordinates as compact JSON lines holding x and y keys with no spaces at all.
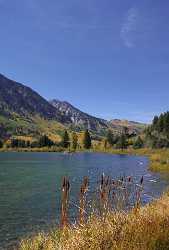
{"x":82,"y":199}
{"x":64,"y":202}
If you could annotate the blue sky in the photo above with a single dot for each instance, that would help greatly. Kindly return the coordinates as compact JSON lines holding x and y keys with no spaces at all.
{"x":109,"y":58}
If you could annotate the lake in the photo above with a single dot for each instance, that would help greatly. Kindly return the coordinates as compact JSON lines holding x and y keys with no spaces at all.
{"x":30,"y":185}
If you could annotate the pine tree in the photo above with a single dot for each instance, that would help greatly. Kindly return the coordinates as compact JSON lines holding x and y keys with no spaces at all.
{"x":125,"y":131}
{"x":110,"y":137}
{"x":74,"y":140}
{"x":138,"y":143}
{"x":155,"y":121}
{"x":166,"y":123}
{"x":122,"y":142}
{"x":87,"y":140}
{"x":65,"y":139}
{"x":1,"y":144}
{"x":161,"y":123}
{"x":44,"y":141}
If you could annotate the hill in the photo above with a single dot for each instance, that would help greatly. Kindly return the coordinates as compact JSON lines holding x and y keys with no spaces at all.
{"x":133,"y":127}
{"x":24,"y":112}
{"x":79,"y":119}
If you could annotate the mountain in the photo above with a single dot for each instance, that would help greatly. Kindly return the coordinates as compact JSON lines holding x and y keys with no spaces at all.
{"x":24,"y":112}
{"x":18,"y":98}
{"x":133,"y":127}
{"x":82,"y":120}
{"x":79,"y":118}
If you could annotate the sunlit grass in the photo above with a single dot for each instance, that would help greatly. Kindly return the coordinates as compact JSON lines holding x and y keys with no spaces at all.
{"x":146,"y":228}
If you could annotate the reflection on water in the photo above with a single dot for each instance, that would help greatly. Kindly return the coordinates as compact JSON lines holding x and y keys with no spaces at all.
{"x":30,"y":185}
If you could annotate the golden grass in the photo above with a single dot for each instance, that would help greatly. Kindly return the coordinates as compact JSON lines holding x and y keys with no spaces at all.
{"x":146,"y":228}
{"x":24,"y":138}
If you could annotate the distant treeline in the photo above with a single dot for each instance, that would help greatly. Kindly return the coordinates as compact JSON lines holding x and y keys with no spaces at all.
{"x":122,"y":141}
{"x":154,"y":136}
{"x":69,"y":140}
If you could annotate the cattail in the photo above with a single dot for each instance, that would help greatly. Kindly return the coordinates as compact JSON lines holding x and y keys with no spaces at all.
{"x":65,"y":202}
{"x":105,"y":188}
{"x":113,"y":194}
{"x":83,"y":190}
{"x":129,"y":179}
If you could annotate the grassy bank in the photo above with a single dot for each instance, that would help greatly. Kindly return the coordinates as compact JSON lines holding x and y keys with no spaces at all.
{"x":146,"y":228}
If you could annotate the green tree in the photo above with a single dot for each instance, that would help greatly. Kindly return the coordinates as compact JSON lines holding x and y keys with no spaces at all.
{"x":21,"y":144}
{"x":74,"y":140}
{"x":122,"y":142}
{"x":125,"y":131}
{"x":34,"y":144}
{"x":166,"y":123}
{"x":28,"y":144}
{"x":110,"y":137}
{"x":161,"y":123}
{"x":65,"y":140}
{"x":1,"y":144}
{"x":138,"y":143}
{"x":87,"y":140}
{"x":155,"y":121}
{"x":14,"y":143}
{"x":44,"y":141}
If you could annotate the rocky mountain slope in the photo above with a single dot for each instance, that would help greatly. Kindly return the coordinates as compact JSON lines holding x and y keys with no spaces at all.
{"x":83,"y":120}
{"x":79,"y":118}
{"x":23,"y":111}
{"x":18,"y":98}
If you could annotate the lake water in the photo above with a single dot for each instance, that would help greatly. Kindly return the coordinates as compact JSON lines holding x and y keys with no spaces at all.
{"x":30,"y":185}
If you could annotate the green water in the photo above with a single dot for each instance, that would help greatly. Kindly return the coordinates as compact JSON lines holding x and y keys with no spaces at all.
{"x":30,"y":186}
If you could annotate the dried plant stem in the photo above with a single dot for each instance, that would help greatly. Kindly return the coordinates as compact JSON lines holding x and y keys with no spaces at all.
{"x":82,"y":200}
{"x":65,"y":202}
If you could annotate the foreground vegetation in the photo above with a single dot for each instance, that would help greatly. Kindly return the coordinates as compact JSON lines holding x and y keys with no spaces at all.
{"x":145,"y":228}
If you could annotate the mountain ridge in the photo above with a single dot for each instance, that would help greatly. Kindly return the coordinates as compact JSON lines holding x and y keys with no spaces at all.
{"x":78,"y":117}
{"x":20,"y":105}
{"x":19,"y":98}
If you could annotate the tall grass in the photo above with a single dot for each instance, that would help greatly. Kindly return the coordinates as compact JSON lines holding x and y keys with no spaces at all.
{"x":109,"y":226}
{"x":146,"y":228}
{"x":82,"y":199}
{"x":65,"y":202}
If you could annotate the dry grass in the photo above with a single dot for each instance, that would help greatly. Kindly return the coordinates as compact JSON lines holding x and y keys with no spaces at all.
{"x":146,"y":228}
